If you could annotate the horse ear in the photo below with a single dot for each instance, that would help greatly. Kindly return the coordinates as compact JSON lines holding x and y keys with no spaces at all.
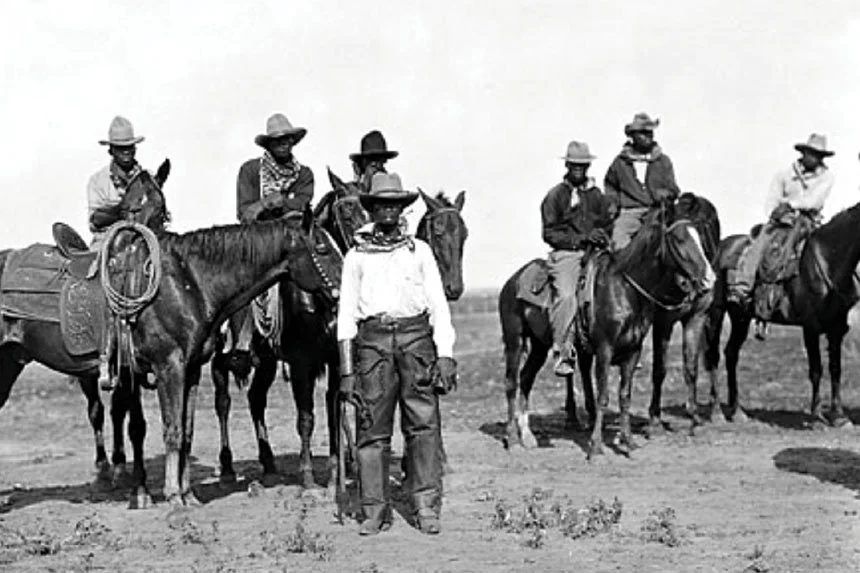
{"x":163,"y":172}
{"x":430,"y":201}
{"x":336,"y":182}
{"x":460,"y":200}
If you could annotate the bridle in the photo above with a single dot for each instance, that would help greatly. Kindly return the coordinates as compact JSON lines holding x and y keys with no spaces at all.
{"x":332,"y":289}
{"x":348,"y":238}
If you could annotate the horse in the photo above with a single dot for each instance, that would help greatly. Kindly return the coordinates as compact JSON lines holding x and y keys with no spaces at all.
{"x":820,"y":297}
{"x":620,"y":316}
{"x":308,"y":343}
{"x":42,"y":341}
{"x":692,"y":313}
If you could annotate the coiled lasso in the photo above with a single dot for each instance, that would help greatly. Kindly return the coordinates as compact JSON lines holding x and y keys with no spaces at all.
{"x":121,"y":305}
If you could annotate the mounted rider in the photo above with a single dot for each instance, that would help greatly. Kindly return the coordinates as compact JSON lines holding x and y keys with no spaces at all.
{"x":369,"y":161}
{"x":272,"y":186}
{"x":796,"y":193}
{"x":396,"y":343}
{"x":639,"y":178}
{"x":105,"y":190}
{"x":575,"y":213}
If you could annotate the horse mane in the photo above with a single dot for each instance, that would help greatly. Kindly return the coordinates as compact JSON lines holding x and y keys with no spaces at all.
{"x":324,"y":203}
{"x":703,"y":215}
{"x":443,"y":199}
{"x":264,"y":243}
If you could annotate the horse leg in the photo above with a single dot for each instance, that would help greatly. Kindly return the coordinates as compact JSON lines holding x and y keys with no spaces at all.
{"x":625,"y":388}
{"x":96,"y":415}
{"x":513,"y":357}
{"x":192,"y":384}
{"x":737,"y":337}
{"x":119,"y":406}
{"x":258,"y":393}
{"x":692,"y":339}
{"x":303,"y":380}
{"x":834,"y":351}
{"x":10,"y":368}
{"x":534,"y":362}
{"x":171,"y":398}
{"x":585,"y":361}
{"x":813,"y":356}
{"x":140,"y":498}
{"x":604,"y":358}
{"x":220,"y":374}
{"x":713,"y":330}
{"x":661,"y":332}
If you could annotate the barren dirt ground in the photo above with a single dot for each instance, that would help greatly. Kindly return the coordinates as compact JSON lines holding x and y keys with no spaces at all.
{"x":771,"y":494}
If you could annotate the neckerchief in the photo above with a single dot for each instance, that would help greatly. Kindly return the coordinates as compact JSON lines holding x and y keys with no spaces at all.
{"x":802,"y":176}
{"x":121,"y":178}
{"x":369,"y":239}
{"x":575,"y":190}
{"x":277,"y":178}
{"x":632,"y":155}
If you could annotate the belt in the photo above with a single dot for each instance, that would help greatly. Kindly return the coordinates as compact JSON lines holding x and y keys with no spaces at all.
{"x":388,"y":322}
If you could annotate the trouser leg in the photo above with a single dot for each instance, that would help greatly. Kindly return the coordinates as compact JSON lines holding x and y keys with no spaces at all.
{"x":627,"y":224}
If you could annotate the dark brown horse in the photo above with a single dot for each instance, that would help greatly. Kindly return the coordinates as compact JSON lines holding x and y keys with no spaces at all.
{"x":308,"y":344}
{"x":819,"y":298}
{"x":660,"y":260}
{"x":42,"y":342}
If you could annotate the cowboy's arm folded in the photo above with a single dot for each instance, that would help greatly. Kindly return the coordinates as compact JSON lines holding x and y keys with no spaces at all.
{"x":817,"y":194}
{"x":440,"y":315}
{"x":104,"y":217}
{"x":302,"y":191}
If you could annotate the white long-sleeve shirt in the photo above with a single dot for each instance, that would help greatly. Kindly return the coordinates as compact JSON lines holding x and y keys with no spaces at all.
{"x":400,"y":283}
{"x":799,"y":189}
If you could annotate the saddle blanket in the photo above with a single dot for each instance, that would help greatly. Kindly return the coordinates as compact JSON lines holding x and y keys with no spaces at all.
{"x":36,"y":285}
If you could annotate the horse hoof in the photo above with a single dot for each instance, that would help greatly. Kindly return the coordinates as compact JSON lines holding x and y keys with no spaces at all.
{"x":717,"y":417}
{"x":227,"y":477}
{"x":271,"y":479}
{"x":190,"y":500}
{"x":308,"y":481}
{"x":595,"y":452}
{"x":175,"y":500}
{"x":103,"y":471}
{"x":655,"y":428}
{"x":842,"y":423}
{"x":120,"y":477}
{"x":529,"y":441}
{"x":740,"y":417}
{"x":140,"y":499}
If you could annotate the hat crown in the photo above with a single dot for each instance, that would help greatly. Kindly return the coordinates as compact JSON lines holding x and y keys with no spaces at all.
{"x":120,"y":129}
{"x":642,"y":122}
{"x":278,"y":124}
{"x":817,"y":143}
{"x":383,"y":183}
{"x":578,"y":150}
{"x":373,"y":142}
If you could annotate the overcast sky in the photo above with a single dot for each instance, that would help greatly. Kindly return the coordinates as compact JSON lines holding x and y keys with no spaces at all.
{"x":482,"y":96}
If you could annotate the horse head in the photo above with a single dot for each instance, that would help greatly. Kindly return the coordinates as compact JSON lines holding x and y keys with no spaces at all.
{"x":144,"y":201}
{"x":443,"y":228}
{"x":340,"y":212}
{"x":318,"y":268}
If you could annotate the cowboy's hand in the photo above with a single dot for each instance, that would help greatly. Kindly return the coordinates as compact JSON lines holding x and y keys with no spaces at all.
{"x":599,"y":237}
{"x":444,"y":375}
{"x":780,"y":211}
{"x":273,"y":201}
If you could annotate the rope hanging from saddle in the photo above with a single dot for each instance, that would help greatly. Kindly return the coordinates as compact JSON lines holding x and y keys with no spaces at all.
{"x":123,"y":308}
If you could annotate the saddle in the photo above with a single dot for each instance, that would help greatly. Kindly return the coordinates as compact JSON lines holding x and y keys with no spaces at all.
{"x":58,"y":284}
{"x":533,"y":286}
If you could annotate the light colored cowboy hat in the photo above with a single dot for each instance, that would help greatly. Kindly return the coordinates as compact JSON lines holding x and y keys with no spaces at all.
{"x":279,"y":126}
{"x":387,"y":188}
{"x":373,"y":145}
{"x":816,"y":143}
{"x":121,"y":133}
{"x":641,"y":122}
{"x":578,"y":152}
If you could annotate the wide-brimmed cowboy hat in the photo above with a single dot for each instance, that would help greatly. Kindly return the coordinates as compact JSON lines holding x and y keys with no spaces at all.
{"x":578,"y":152}
{"x":641,"y":122}
{"x":386,"y":188}
{"x":373,"y":145}
{"x":816,"y":143}
{"x":278,"y":126}
{"x":121,"y":133}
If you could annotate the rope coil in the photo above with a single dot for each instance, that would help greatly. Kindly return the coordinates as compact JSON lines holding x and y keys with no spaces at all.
{"x":121,"y":305}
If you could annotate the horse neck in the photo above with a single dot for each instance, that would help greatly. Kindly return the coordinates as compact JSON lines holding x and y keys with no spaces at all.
{"x":234,"y":264}
{"x":837,"y":244}
{"x":640,"y":260}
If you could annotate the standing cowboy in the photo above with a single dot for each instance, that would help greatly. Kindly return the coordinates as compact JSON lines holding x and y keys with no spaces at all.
{"x":574,"y":214}
{"x":801,"y":188}
{"x":105,"y":190}
{"x":640,"y":177}
{"x":395,"y":336}
{"x":273,"y":186}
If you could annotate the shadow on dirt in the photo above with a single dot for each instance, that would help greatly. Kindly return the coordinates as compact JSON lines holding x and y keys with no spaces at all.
{"x":549,"y":428}
{"x":206,"y":484}
{"x":832,"y":465}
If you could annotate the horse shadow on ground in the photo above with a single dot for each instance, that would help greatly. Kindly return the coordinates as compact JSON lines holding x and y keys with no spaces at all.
{"x":204,"y":478}
{"x":550,"y":428}
{"x":830,"y":465}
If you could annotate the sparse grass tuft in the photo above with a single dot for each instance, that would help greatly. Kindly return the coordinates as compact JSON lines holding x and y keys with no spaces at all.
{"x":660,"y":527}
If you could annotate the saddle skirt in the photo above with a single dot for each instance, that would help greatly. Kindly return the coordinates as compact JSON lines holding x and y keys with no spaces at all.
{"x":39,"y":283}
{"x":533,"y":286}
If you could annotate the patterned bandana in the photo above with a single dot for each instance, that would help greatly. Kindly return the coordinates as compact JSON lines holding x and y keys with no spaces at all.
{"x":121,"y":178}
{"x":275,"y":177}
{"x":369,"y":239}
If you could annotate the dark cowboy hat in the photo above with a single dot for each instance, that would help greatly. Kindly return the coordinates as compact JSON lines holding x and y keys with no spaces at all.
{"x":278,"y":126}
{"x":386,"y":188}
{"x":817,"y":144}
{"x":641,"y":122}
{"x":373,"y":145}
{"x":121,"y":133}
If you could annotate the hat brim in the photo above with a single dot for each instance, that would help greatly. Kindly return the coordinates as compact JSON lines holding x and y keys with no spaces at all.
{"x":374,"y":154}
{"x":404,"y":198}
{"x":579,"y":160}
{"x":823,"y":153}
{"x":634,"y":127}
{"x":122,"y":142}
{"x":297,"y":134}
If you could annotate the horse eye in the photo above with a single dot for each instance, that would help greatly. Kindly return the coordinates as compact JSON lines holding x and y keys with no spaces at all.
{"x":438,"y":227}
